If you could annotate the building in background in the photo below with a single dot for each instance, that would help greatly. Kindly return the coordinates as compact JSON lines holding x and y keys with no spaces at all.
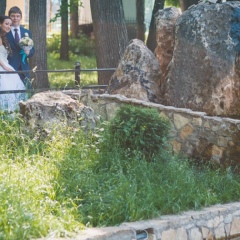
{"x":85,"y":16}
{"x":23,"y":5}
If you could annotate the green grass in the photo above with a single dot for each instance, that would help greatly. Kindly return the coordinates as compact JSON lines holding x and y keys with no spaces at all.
{"x":69,"y":179}
{"x":67,"y":80}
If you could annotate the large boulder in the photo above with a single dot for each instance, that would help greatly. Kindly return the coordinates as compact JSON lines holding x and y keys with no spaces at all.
{"x":138,"y":74}
{"x":204,"y":72}
{"x":165,"y":24}
{"x":50,"y":109}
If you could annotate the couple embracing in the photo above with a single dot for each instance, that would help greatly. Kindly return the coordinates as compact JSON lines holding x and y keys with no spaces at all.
{"x":13,"y":56}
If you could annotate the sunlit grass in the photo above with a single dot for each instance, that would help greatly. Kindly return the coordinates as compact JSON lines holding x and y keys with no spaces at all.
{"x":67,"y":80}
{"x":28,"y":204}
{"x":69,"y":179}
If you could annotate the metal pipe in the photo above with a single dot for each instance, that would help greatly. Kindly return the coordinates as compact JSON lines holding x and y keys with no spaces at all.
{"x":142,"y":235}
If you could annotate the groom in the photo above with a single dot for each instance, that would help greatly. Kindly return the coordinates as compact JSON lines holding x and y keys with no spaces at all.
{"x":16,"y":33}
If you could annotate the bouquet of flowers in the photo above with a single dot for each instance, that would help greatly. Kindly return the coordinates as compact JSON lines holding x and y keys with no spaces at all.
{"x":26,"y":43}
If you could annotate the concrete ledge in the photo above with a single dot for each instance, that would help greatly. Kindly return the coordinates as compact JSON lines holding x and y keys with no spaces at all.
{"x":219,"y":222}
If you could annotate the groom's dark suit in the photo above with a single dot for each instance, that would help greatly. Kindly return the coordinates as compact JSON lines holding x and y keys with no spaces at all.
{"x":15,"y":59}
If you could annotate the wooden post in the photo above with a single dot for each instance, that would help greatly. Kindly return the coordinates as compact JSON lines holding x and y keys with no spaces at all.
{"x":77,"y":73}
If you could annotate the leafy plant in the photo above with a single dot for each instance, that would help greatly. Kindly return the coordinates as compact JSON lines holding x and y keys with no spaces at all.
{"x":57,"y":185}
{"x":81,"y":45}
{"x":53,"y":43}
{"x":141,"y":129}
{"x":81,"y":50}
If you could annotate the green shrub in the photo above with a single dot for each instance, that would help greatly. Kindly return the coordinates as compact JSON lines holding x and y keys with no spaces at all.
{"x":81,"y":46}
{"x":53,"y":43}
{"x":139,"y":128}
{"x":53,"y":186}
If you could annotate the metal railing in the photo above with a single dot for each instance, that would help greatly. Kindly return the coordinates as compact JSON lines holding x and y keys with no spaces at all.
{"x":77,"y":71}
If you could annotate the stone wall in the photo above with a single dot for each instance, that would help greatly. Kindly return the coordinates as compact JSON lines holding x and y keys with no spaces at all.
{"x":213,"y":223}
{"x":196,"y":135}
{"x":193,"y":133}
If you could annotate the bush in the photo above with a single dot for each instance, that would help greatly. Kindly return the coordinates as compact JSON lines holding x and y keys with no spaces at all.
{"x":139,"y":129}
{"x":57,"y":185}
{"x":53,"y":43}
{"x":81,"y":45}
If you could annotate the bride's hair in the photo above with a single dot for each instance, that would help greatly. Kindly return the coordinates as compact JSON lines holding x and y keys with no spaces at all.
{"x":3,"y":37}
{"x":6,"y":44}
{"x":3,"y":17}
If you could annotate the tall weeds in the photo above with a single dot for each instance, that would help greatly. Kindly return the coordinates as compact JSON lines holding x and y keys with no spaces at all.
{"x":70,"y":179}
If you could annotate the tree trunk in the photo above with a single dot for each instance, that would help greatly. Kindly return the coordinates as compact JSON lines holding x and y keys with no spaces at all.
{"x":38,"y":25}
{"x":74,"y":18}
{"x":2,"y":7}
{"x":185,"y":4}
{"x":140,"y":20}
{"x":64,"y":47}
{"x":110,"y":34}
{"x":151,"y":40}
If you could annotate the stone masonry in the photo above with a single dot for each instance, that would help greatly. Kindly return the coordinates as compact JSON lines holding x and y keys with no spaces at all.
{"x":194,"y":134}
{"x":219,"y":222}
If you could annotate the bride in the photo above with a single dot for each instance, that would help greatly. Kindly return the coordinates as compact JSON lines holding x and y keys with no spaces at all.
{"x":8,"y":101}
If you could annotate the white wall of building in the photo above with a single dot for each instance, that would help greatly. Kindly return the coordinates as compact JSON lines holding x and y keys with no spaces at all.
{"x":85,"y":15}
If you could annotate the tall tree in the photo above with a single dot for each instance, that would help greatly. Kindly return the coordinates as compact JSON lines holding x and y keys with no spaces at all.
{"x":63,"y":12}
{"x":185,"y":4}
{"x":38,"y":26}
{"x":64,"y":54}
{"x":74,"y":18}
{"x":151,"y":40}
{"x":140,"y":19}
{"x":110,"y":34}
{"x":3,"y":7}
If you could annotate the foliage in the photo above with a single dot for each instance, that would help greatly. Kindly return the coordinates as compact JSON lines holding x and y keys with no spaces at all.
{"x":139,"y":128}
{"x":84,"y":48}
{"x":53,"y":43}
{"x":67,"y":79}
{"x":175,"y":3}
{"x":28,"y":206}
{"x":73,"y":5}
{"x":81,"y":45}
{"x":110,"y":184}
{"x":70,"y":179}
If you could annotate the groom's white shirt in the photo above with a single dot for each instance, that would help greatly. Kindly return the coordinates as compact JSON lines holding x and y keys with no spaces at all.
{"x":13,"y":32}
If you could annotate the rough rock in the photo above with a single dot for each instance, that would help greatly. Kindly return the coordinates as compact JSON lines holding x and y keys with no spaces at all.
{"x":48,"y":109}
{"x":138,"y":74}
{"x":165,"y":21}
{"x":204,"y":71}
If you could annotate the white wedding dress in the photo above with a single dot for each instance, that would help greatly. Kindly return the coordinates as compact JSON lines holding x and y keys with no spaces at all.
{"x":10,"y":101}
